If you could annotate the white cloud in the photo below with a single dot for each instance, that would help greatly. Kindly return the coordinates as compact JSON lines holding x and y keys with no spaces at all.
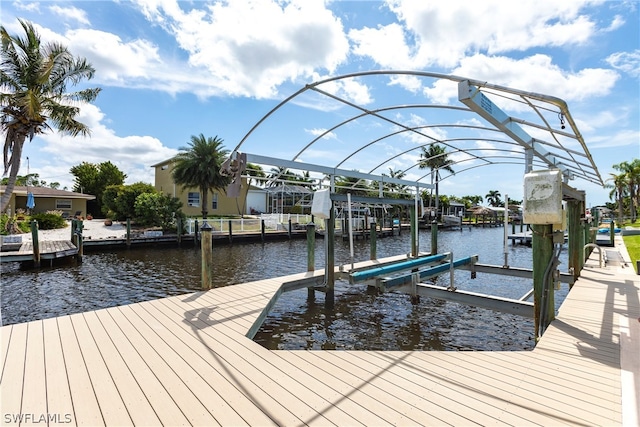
{"x":317,"y":132}
{"x":132,"y":154}
{"x":442,"y":33}
{"x":29,"y":6}
{"x":629,"y":62}
{"x":249,"y":48}
{"x":72,"y":13}
{"x":115,"y":61}
{"x":535,"y":73}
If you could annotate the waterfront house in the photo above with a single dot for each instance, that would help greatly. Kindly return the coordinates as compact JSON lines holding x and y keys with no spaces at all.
{"x":220,"y":203}
{"x":48,"y":199}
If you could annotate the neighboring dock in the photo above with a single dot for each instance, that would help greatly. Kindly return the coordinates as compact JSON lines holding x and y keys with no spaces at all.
{"x":187,"y":360}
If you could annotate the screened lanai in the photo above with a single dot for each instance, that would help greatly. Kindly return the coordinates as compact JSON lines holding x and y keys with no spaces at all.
{"x":345,"y":129}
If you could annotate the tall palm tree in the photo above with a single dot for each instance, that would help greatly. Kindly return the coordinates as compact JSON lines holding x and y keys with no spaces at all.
{"x":257,"y":171}
{"x":493,"y":198}
{"x":198,"y":166}
{"x":631,"y":172}
{"x":435,"y":158}
{"x":33,"y":94}
{"x":618,"y":191}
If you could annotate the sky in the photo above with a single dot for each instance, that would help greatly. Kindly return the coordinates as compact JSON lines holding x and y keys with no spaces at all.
{"x":172,"y":69}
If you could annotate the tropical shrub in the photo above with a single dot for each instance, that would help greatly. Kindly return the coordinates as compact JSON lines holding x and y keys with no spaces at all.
{"x":49,"y":220}
{"x":156,"y":209}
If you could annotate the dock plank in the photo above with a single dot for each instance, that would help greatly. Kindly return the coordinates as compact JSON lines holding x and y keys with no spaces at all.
{"x":34,"y":392}
{"x":171,"y":370}
{"x":304,"y":401}
{"x":86,"y":409}
{"x":135,"y":401}
{"x":59,"y":402}
{"x":12,"y":382}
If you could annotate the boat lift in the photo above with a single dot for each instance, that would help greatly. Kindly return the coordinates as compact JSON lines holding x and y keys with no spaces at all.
{"x":435,"y":265}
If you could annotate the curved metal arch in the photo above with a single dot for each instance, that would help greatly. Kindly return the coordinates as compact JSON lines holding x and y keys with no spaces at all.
{"x":447,"y":153}
{"x":440,"y":141}
{"x":367,"y":113}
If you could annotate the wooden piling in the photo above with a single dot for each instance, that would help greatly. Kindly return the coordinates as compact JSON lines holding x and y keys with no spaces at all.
{"x":373,"y":241}
{"x":311,"y":246}
{"x":179,"y":230}
{"x":434,"y":237}
{"x":230,"y":232}
{"x":262,"y":229}
{"x":330,"y":264}
{"x":80,"y":242}
{"x":128,"y":232}
{"x":574,"y":230}
{"x":36,"y":243}
{"x":413,"y":218}
{"x":311,"y":256}
{"x":206,"y":246}
{"x":542,"y":247}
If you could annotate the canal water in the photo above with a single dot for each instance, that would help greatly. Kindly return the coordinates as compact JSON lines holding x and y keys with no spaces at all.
{"x":359,"y":319}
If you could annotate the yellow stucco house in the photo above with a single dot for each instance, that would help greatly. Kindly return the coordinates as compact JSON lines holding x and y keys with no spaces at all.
{"x":219,"y":203}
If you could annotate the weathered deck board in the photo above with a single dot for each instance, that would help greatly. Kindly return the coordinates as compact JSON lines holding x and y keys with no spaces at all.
{"x":186,"y":360}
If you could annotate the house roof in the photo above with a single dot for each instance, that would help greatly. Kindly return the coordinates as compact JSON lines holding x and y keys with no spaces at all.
{"x":20,"y":190}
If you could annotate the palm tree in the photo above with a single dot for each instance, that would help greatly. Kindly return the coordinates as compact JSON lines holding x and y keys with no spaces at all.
{"x":33,"y":96}
{"x":257,"y":171}
{"x":493,"y":198}
{"x":435,"y":159}
{"x":198,"y":166}
{"x":619,"y":188}
{"x":631,"y":172}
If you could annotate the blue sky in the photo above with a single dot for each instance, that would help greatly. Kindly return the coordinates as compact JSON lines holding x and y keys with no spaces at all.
{"x":171,"y":69}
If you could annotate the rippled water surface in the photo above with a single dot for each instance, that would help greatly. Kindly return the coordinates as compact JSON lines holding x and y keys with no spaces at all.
{"x":359,"y":319}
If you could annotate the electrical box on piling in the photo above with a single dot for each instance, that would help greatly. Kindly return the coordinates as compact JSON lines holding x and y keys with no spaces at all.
{"x":321,"y":205}
{"x":543,"y":197}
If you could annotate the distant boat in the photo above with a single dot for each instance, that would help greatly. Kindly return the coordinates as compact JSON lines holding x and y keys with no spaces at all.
{"x":451,"y":221}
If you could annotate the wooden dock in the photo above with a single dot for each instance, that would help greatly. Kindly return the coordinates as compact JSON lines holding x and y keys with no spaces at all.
{"x":187,"y":360}
{"x":49,"y":250}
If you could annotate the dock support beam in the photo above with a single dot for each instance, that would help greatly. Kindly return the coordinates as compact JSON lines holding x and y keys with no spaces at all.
{"x":542,"y":244}
{"x":434,"y":237}
{"x":574,"y":231}
{"x":373,"y":240}
{"x":311,"y":256}
{"x":329,"y":271}
{"x":207,"y":254}
{"x":36,"y":243}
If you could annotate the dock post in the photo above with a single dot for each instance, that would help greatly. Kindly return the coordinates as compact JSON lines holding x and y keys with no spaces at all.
{"x":373,"y":241}
{"x":413,"y":218}
{"x":179,"y":230}
{"x":434,"y":237}
{"x":574,"y":231}
{"x":311,"y":256}
{"x":289,"y":233}
{"x":262,"y":229}
{"x":207,"y":254}
{"x":612,"y":231}
{"x":230,"y":232}
{"x":542,"y":246}
{"x":128,"y":232}
{"x":79,"y":241}
{"x":330,"y":264}
{"x":35,"y":242}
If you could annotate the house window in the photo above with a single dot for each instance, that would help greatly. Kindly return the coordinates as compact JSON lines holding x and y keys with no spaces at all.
{"x":193,"y":199}
{"x":63,"y":204}
{"x":214,"y":201}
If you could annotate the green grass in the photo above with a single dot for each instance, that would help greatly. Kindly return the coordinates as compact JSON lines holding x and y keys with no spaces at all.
{"x":633,"y":247}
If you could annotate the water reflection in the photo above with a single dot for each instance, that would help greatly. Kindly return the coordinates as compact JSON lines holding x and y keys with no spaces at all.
{"x":359,"y":320}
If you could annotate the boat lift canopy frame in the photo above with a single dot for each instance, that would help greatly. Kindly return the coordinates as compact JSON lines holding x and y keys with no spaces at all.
{"x":547,"y":137}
